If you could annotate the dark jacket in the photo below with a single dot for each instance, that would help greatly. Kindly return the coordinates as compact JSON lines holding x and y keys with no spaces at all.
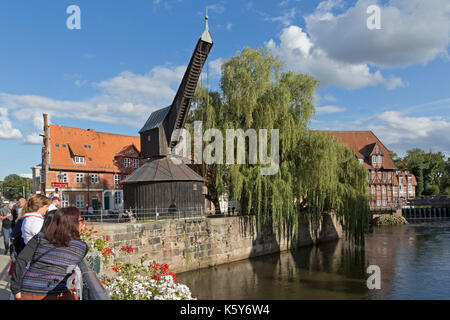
{"x":17,"y":243}
{"x":48,"y":219}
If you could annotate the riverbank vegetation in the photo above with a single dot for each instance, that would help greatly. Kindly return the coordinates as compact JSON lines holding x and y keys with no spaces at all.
{"x":389,"y":220}
{"x":430,"y":168}
{"x":316,"y":173}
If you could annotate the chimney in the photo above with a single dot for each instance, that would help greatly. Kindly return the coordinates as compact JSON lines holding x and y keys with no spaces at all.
{"x":45,"y":155}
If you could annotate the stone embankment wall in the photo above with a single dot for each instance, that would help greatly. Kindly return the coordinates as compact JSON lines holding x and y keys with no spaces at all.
{"x":197,"y":243}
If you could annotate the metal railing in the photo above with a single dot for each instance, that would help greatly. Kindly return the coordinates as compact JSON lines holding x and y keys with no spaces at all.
{"x":92,"y":289}
{"x":134,"y":215}
{"x":153,"y":214}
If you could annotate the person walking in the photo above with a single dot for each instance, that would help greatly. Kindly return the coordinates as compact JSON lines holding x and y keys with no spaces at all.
{"x":54,"y":256}
{"x":6,"y":217}
{"x":33,"y":219}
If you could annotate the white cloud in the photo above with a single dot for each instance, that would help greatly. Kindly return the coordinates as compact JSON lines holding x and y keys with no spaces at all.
{"x":128,"y":98}
{"x":286,"y":19}
{"x":218,"y":8}
{"x":404,"y":132}
{"x":215,"y":67}
{"x":338,"y":48}
{"x":229,"y":26}
{"x":329,"y":97}
{"x":412,"y":31}
{"x":400,"y":131}
{"x":329,"y":109}
{"x":33,"y":138}
{"x":26,"y":175}
{"x":301,"y":54}
{"x":6,"y":129}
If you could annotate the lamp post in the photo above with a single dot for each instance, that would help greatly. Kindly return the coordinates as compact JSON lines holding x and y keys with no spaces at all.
{"x":61,"y":179}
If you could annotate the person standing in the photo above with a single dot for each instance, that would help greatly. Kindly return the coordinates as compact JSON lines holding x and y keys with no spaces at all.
{"x":50,"y":212}
{"x":54,"y":256}
{"x":21,"y":203}
{"x":6,"y":218}
{"x":13,"y":207}
{"x":33,"y":220}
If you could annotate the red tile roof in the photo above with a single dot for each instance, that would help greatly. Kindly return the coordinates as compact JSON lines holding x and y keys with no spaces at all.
{"x":97,"y":148}
{"x":363,"y":143}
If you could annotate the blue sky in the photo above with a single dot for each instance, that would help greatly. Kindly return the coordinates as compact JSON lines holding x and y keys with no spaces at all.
{"x":129,"y":56}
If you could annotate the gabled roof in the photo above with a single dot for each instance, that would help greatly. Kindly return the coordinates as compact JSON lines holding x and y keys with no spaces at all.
{"x":98,"y":148}
{"x":127,"y":151}
{"x":405,"y":178}
{"x":163,"y":169}
{"x":155,"y":119}
{"x":363,"y":143}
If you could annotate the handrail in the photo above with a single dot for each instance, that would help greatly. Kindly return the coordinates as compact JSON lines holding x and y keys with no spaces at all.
{"x":92,"y":288}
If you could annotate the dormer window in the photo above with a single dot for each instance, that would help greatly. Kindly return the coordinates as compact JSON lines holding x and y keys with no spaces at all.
{"x":78,"y":160}
{"x":377,"y":159}
{"x":126,"y":162}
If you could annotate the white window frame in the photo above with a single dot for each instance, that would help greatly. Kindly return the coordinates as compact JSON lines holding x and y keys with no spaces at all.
{"x":379,"y":159}
{"x":410,"y":181}
{"x":64,"y":177}
{"x":136,"y":163}
{"x":374,"y":159}
{"x":383,"y":190}
{"x":79,"y":160}
{"x":118,"y":197}
{"x":373,"y":190}
{"x":117,"y":179}
{"x":378,"y":203}
{"x":126,"y":162}
{"x":94,"y":178}
{"x":80,"y":178}
{"x":384,"y":203}
{"x":79,"y":201}
{"x":64,"y":200}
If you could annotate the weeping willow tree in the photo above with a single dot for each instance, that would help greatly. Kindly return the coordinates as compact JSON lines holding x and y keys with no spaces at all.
{"x":316,"y":174}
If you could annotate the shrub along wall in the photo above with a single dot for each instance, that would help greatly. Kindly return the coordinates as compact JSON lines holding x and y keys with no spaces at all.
{"x":197,"y":243}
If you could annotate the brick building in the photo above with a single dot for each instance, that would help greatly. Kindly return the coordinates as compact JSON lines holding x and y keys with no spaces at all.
{"x":388,"y":186}
{"x":91,"y":163}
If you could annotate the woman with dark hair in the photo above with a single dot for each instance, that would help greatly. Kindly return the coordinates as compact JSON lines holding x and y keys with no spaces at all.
{"x":54,"y":256}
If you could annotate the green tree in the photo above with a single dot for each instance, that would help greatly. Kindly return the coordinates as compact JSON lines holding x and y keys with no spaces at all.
{"x":398,"y":161}
{"x":321,"y":173}
{"x":429,"y":168}
{"x":15,"y":186}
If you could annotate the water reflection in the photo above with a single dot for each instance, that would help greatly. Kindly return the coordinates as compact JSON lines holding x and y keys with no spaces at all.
{"x":414,"y":262}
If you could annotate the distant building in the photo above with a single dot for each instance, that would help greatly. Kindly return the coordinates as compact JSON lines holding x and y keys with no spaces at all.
{"x":87,"y":166}
{"x":388,"y":186}
{"x":36,"y":177}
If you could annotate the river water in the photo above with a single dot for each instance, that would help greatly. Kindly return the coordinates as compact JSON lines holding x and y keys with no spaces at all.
{"x":414,"y":261}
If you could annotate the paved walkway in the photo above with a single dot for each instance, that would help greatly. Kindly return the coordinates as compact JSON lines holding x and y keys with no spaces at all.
{"x":4,"y":268}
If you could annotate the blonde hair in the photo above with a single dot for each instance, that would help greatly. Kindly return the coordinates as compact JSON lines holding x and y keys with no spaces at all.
{"x":33,"y":204}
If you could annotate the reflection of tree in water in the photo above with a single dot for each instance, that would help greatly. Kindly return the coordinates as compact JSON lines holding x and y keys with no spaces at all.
{"x":329,"y":271}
